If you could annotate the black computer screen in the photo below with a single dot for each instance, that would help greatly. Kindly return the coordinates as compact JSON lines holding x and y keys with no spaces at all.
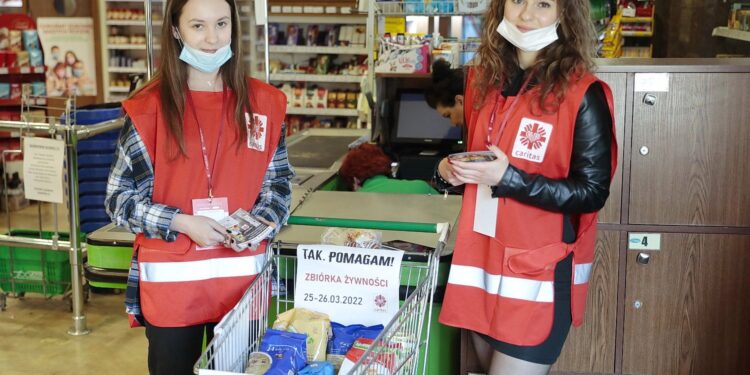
{"x":417,"y":122}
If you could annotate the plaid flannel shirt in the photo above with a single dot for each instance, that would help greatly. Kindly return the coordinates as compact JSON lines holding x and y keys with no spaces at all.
{"x":131,"y":185}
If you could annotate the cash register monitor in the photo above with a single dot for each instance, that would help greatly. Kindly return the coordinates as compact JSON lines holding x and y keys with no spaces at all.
{"x":418,"y":124}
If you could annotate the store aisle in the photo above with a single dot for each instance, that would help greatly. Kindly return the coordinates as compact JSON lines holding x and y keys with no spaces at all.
{"x":34,"y":338}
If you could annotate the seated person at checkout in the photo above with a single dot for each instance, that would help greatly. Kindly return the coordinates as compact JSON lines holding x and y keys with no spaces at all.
{"x":446,"y":92}
{"x":366,"y":169}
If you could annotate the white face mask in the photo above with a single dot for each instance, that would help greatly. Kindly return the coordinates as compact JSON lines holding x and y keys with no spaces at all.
{"x":530,"y":41}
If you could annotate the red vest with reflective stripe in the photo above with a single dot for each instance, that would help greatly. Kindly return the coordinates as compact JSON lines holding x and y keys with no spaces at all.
{"x":502,"y":286}
{"x":179,"y":285}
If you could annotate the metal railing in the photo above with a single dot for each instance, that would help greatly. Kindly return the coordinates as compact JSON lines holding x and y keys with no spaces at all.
{"x":71,"y":134}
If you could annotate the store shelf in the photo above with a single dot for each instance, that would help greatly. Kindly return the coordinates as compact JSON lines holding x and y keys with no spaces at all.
{"x":119,"y":89}
{"x":347,"y":19}
{"x":116,"y":69}
{"x":405,"y":8}
{"x":130,"y":46}
{"x":319,"y":49}
{"x":403,"y":75}
{"x":131,"y":23}
{"x":322,"y":111}
{"x":24,"y":70}
{"x":726,"y":32}
{"x":636,"y":19}
{"x":17,"y":102}
{"x":638,"y":34}
{"x":132,"y":1}
{"x":315,"y":78}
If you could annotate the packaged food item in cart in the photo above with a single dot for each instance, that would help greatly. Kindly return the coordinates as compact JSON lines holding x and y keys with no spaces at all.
{"x":343,"y":338}
{"x":258,"y":363}
{"x":362,"y":238}
{"x":288,"y":351}
{"x":318,"y":368}
{"x":317,"y":327}
{"x":244,"y":230}
{"x":382,"y":363}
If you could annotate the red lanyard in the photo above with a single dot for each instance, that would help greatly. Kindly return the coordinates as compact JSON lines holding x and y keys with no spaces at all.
{"x":203,"y":141}
{"x":506,"y":117}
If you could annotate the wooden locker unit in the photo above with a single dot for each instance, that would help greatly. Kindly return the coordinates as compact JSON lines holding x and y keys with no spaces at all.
{"x":591,"y":348}
{"x":617,"y":82}
{"x":695,"y":140}
{"x":686,"y":310}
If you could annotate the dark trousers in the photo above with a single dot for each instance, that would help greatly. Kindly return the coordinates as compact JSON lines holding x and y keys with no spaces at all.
{"x":174,"y":350}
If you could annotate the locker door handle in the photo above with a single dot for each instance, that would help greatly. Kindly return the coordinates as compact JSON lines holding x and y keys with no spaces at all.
{"x":649,"y":99}
{"x":643,"y":258}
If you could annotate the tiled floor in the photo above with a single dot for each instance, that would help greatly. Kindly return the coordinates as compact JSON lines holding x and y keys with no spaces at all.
{"x":33,"y":330}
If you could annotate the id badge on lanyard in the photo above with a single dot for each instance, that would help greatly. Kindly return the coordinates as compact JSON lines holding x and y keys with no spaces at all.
{"x":212,"y":207}
{"x":485,"y":207}
{"x":215,"y":208}
{"x":485,"y":211}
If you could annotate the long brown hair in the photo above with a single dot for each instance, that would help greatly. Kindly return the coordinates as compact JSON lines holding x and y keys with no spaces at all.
{"x":172,"y":75}
{"x":570,"y":55}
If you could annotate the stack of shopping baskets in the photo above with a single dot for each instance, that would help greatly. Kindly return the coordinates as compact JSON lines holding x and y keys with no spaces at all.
{"x":404,"y":340}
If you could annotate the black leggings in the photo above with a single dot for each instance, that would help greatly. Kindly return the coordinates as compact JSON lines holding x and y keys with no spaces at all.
{"x":174,"y":350}
{"x":549,"y":350}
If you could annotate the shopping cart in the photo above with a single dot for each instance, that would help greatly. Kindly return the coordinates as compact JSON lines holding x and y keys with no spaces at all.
{"x":404,"y":340}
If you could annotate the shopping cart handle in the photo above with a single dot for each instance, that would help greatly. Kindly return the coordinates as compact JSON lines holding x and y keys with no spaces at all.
{"x":366,"y":224}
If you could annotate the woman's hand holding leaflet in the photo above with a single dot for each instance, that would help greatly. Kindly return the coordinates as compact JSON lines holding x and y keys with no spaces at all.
{"x":204,"y":231}
{"x":484,"y":172}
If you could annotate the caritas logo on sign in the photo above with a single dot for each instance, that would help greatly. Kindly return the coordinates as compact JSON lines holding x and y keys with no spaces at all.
{"x":532,"y":140}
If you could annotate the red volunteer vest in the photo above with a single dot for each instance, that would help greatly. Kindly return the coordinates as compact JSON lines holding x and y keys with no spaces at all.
{"x":503,"y":286}
{"x":180,"y":286}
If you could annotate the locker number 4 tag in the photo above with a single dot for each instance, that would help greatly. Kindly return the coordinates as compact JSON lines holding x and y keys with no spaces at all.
{"x":644,"y":241}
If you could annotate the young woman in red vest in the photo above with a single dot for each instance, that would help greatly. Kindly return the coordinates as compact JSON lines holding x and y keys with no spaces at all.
{"x":527,"y":231}
{"x":200,"y":141}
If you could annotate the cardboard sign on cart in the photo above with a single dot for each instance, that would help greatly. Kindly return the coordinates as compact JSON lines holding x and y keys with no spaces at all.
{"x":351,"y":285}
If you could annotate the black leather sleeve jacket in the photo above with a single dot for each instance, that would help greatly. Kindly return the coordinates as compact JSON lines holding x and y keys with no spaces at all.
{"x":587,"y":187}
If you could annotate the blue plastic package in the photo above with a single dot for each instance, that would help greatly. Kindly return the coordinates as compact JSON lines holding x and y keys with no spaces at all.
{"x":318,"y":368}
{"x":288,"y":351}
{"x":344,"y":336}
{"x":30,"y":39}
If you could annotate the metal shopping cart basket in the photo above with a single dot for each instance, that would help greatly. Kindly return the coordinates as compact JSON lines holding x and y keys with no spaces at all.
{"x":404,"y":340}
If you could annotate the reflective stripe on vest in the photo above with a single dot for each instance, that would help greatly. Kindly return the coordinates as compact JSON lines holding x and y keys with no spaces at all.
{"x":165,"y":272}
{"x":512,"y":287}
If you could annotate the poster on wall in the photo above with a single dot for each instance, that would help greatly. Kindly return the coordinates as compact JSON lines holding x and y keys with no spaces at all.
{"x":68,"y":44}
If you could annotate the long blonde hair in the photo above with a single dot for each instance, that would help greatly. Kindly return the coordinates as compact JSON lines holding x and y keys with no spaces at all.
{"x":571,"y":55}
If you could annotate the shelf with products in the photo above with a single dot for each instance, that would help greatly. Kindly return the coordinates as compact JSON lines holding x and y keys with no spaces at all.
{"x":123,"y":34}
{"x":637,"y":28}
{"x":726,"y":32}
{"x":21,"y":66}
{"x":442,"y":8}
{"x":316,"y":46}
{"x":130,"y":46}
{"x":333,"y":50}
{"x":295,"y":77}
{"x":304,"y":8}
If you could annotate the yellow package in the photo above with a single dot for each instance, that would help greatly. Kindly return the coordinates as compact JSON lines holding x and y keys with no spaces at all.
{"x":317,"y":327}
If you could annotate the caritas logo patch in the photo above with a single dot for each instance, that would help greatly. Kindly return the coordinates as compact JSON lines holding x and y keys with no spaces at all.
{"x":256,"y":137}
{"x":532,"y":140}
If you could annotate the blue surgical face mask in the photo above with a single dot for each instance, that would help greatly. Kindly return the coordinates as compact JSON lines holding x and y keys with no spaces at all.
{"x":206,"y":62}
